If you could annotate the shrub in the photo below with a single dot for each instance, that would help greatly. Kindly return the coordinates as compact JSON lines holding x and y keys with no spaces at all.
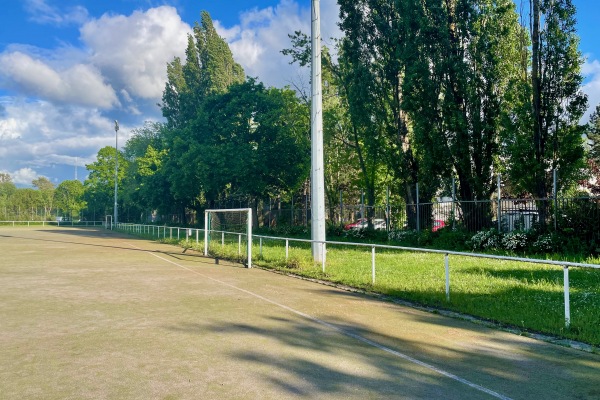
{"x":545,"y":243}
{"x":515,"y":241}
{"x":486,"y":240}
{"x":408,"y":238}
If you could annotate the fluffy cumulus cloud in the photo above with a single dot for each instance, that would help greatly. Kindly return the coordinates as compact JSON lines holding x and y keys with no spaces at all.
{"x":133,"y":51}
{"x":75,"y":84}
{"x":23,"y":176}
{"x":257,"y":41}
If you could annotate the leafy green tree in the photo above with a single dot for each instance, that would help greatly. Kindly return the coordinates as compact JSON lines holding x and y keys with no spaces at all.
{"x":7,"y":189}
{"x":551,"y":137}
{"x":146,"y":187}
{"x":24,"y":203}
{"x":593,"y":134}
{"x":260,"y":139}
{"x":209,"y":69}
{"x":69,"y":197}
{"x":46,"y":189}
{"x":100,"y":184}
{"x":457,"y":88}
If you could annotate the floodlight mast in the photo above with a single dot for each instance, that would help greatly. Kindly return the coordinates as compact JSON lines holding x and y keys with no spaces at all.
{"x":317,"y":174}
{"x":116,"y":167}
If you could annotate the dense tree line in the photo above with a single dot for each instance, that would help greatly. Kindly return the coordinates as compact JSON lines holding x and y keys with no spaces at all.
{"x":43,"y":203}
{"x":418,"y":92}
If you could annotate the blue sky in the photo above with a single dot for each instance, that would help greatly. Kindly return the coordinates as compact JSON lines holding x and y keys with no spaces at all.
{"x":69,"y":68}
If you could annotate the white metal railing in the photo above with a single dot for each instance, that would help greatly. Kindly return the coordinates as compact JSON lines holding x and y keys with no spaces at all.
{"x":564,"y":264}
{"x":52,"y":223}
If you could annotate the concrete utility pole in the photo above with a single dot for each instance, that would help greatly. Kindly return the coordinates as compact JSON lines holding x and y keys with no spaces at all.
{"x":116,"y":167}
{"x":317,"y":174}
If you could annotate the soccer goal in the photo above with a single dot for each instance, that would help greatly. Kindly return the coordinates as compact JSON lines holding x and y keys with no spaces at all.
{"x":227,"y":225}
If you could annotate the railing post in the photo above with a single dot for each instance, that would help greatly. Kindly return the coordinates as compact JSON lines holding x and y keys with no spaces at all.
{"x":197,"y":230}
{"x":373,"y":264}
{"x":239,"y":244}
{"x":260,"y":247}
{"x":323,"y":249}
{"x":287,"y":249}
{"x":567,"y":301}
{"x":222,"y":239}
{"x":447,"y":265}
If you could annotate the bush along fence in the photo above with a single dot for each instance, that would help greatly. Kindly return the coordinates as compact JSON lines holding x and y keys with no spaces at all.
{"x":189,"y":235}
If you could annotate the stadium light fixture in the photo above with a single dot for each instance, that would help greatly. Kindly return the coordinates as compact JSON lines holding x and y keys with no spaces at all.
{"x":317,"y":174}
{"x":116,"y":167}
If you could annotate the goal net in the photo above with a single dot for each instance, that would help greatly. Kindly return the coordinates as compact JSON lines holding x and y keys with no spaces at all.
{"x":228,"y":227}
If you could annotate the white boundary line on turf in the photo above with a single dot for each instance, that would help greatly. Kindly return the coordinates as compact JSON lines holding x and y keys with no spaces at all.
{"x":342,"y":331}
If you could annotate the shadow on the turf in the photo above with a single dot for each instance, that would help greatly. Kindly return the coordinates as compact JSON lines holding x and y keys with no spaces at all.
{"x":313,"y":353}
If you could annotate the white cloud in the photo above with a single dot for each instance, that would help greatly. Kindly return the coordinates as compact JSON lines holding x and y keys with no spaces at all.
{"x":9,"y":129}
{"x":43,"y":135}
{"x":77,"y":84}
{"x":257,"y":41}
{"x":133,"y":51}
{"x":23,"y":176}
{"x":591,"y":70}
{"x":41,"y":12}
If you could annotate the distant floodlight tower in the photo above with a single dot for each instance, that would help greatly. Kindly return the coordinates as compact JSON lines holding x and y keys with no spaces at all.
{"x":317,"y":175}
{"x":116,"y":167}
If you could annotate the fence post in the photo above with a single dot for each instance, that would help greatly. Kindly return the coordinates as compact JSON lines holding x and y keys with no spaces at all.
{"x":260,"y":247}
{"x":453,"y":203}
{"x":447,"y":267}
{"x":239,"y":244}
{"x":373,"y":265}
{"x":555,"y":194}
{"x":387,"y":209}
{"x":418,"y":210}
{"x":197,"y":230}
{"x":567,"y":302}
{"x":499,"y":213}
{"x":222,"y":239}
{"x":341,"y":208}
{"x":287,"y":247}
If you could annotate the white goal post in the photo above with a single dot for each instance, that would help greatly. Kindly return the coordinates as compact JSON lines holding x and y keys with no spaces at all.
{"x":227,"y":222}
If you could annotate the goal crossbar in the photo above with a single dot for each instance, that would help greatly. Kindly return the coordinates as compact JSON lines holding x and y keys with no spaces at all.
{"x":248,"y":228}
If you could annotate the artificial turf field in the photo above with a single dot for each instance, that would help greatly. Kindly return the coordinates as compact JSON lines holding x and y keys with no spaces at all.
{"x":92,"y":314}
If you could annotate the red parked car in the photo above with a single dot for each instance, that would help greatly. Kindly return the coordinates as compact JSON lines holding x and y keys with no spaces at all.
{"x":437,"y":224}
{"x":361,"y":223}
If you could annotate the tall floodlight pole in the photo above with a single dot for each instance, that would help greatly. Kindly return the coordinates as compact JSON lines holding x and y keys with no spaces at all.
{"x":116,"y":167}
{"x":317,"y":175}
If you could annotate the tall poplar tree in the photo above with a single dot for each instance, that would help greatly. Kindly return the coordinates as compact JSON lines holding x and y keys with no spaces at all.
{"x":209,"y":69}
{"x":550,"y":137}
{"x":456,"y":89}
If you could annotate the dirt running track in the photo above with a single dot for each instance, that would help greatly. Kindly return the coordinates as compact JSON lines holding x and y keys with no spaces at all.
{"x":90,"y":314}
